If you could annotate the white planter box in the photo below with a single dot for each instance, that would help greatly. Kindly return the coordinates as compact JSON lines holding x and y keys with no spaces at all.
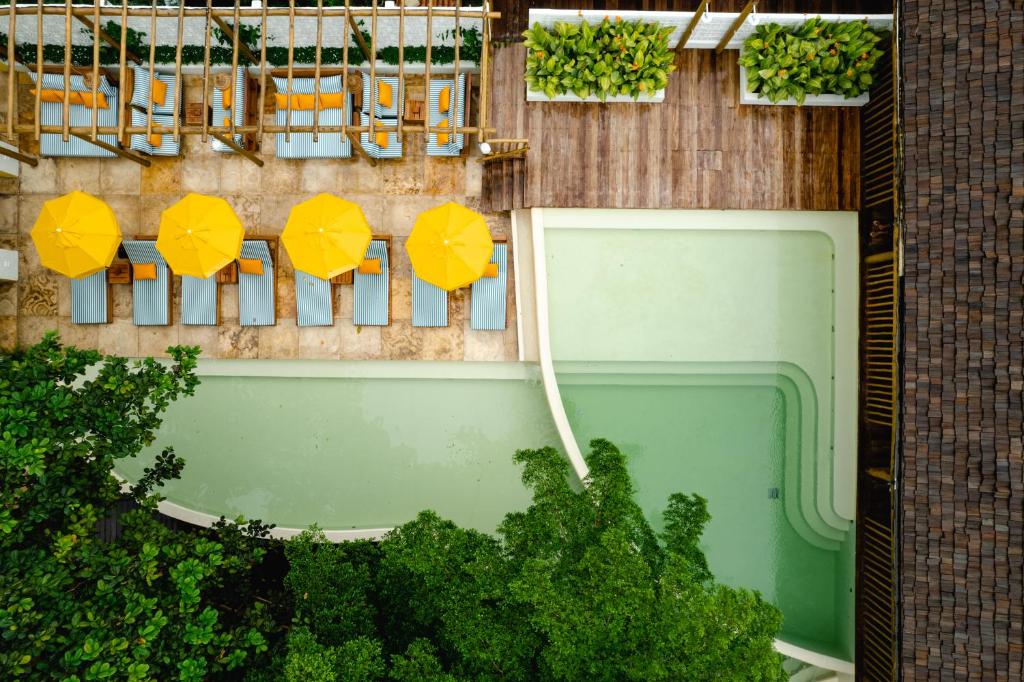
{"x":657,"y":97}
{"x":810,"y":101}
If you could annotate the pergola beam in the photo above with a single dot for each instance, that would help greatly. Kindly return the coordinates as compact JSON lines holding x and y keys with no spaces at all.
{"x":106,"y":37}
{"x":685,"y":38}
{"x":16,"y":154}
{"x":123,"y":153}
{"x":744,"y":13}
{"x":237,"y":148}
{"x":357,"y":33}
{"x":230,"y":35}
{"x":357,"y":145}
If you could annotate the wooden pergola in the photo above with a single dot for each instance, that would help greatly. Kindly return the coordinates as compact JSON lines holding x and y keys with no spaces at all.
{"x":344,"y":18}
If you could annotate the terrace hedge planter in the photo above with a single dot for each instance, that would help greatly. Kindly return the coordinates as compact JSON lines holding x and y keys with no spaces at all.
{"x":656,"y":98}
{"x":810,"y":100}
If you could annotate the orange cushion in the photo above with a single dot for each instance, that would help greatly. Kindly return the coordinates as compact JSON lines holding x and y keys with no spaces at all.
{"x":86,"y":100}
{"x":157,"y":137}
{"x":331,"y":101}
{"x":385,"y":95}
{"x":225,"y":95}
{"x":250,"y":266}
{"x":382,"y":140}
{"x":227,"y":122}
{"x":370,"y":266}
{"x":297,"y":102}
{"x":158,"y":92}
{"x":50,"y":95}
{"x":444,"y":100}
{"x":442,"y":138}
{"x":491,"y":270}
{"x":142,"y":271}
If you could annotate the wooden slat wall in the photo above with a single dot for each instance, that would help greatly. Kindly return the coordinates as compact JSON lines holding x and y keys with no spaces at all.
{"x":698,"y":149}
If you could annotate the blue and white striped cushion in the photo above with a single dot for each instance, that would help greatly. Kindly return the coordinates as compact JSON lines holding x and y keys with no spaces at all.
{"x":429,"y":304}
{"x":456,"y":103}
{"x":140,"y":93}
{"x":168,"y":147}
{"x":487,"y":307}
{"x":237,"y":110}
{"x":257,"y":293}
{"x":313,"y":304}
{"x":301,"y":145}
{"x":305,"y":86}
{"x":89,"y":299}
{"x":199,"y":300}
{"x":150,"y":297}
{"x":394,"y":148}
{"x":370,"y":293}
{"x":52,"y":114}
{"x":397,"y":107}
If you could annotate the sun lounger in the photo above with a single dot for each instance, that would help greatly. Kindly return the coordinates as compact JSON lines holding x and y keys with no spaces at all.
{"x":200,"y":300}
{"x":164,"y":127}
{"x":446,"y":144}
{"x":142,"y":87}
{"x":257,"y":293}
{"x":371,"y":293}
{"x":301,"y":145}
{"x":91,"y":299}
{"x":52,"y":114}
{"x":393,"y":150}
{"x":429,"y":304}
{"x":236,"y":111}
{"x":151,"y":296}
{"x":314,"y":300}
{"x":397,"y":107}
{"x":487,"y":305}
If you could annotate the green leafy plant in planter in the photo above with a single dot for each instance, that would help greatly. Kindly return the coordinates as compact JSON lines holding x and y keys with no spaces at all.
{"x":613,"y":58}
{"x":819,"y":57}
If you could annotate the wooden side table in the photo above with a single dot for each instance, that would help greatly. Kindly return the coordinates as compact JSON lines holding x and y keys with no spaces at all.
{"x":119,"y":273}
{"x":415,"y":111}
{"x":195,"y":114}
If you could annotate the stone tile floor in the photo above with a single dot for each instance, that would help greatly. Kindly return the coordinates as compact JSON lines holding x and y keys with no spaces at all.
{"x":390,"y":194}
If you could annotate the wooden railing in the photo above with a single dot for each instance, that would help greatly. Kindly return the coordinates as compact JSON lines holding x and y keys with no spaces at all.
{"x":878,"y":472}
{"x":505,"y":149}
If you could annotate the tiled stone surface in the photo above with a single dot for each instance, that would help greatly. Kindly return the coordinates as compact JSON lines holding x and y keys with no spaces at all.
{"x":391,"y":195}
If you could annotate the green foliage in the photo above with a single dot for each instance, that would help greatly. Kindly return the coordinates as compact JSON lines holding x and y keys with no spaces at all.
{"x":357,"y":660}
{"x":612,"y":58}
{"x":148,"y":606}
{"x":577,"y":587}
{"x":248,"y":35}
{"x":819,"y":57}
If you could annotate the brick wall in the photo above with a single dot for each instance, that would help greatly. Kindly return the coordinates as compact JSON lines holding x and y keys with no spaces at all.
{"x":963,"y":475}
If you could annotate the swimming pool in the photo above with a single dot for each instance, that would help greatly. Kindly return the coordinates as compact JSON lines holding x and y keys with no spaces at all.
{"x":715,"y":348}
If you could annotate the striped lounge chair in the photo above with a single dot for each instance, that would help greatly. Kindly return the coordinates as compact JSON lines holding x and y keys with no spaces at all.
{"x":151,"y":298}
{"x":236,"y":112}
{"x":397,"y":107}
{"x":429,"y":304}
{"x":90,"y":299}
{"x":371,"y":294}
{"x":314,"y":300}
{"x":393,"y":150}
{"x":487,"y":306}
{"x":257,"y":294}
{"x":301,"y":145}
{"x":142,"y":86}
{"x":200,"y":300}
{"x":167,"y":147}
{"x":52,"y":113}
{"x":446,"y":144}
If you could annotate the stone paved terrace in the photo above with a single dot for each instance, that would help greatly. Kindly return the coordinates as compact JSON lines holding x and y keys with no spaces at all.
{"x":391,"y":195}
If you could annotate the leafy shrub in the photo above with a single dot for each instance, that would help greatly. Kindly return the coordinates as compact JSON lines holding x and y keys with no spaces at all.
{"x":819,"y":57}
{"x":613,"y":58}
{"x":154,"y":604}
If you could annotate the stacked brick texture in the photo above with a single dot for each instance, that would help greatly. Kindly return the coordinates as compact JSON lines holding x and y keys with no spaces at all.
{"x":962,"y":487}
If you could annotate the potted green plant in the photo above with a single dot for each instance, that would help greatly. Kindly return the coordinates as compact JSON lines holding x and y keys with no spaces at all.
{"x":614,"y":61}
{"x":819,"y":63}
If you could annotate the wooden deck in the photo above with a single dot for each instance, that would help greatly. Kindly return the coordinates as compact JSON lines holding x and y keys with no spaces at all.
{"x":698,"y":149}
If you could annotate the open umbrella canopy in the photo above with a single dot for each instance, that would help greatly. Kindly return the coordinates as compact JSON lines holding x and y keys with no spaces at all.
{"x":76,"y":234}
{"x":199,"y":235}
{"x":326,"y":236}
{"x":450,"y":246}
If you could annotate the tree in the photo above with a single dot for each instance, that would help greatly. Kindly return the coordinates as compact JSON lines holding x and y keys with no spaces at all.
{"x":152,"y":605}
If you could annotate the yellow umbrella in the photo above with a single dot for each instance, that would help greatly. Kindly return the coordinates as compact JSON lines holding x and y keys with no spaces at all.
{"x":449,"y":246}
{"x":326,"y":236}
{"x":199,"y":235}
{"x":76,"y":234}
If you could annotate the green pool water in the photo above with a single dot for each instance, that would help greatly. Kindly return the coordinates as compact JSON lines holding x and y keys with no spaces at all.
{"x":355,"y":452}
